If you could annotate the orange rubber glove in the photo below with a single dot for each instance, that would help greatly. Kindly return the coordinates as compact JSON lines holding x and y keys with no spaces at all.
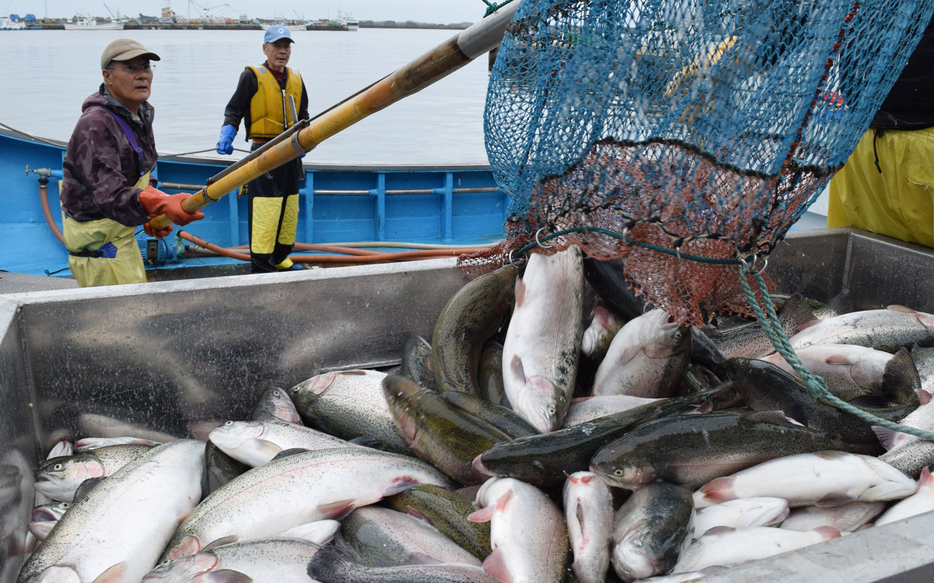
{"x":155,"y":203}
{"x":157,"y":233}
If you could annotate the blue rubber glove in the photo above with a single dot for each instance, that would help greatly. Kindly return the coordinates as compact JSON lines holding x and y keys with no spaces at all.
{"x":225,"y":144}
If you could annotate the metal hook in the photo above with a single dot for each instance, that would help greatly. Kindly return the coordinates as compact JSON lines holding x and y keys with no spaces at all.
{"x":540,"y":244}
{"x":512,"y":261}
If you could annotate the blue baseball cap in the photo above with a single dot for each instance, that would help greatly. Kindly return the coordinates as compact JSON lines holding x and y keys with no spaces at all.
{"x":277,"y":32}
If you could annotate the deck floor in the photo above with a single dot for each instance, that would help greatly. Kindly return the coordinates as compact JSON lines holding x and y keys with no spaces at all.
{"x":15,"y":283}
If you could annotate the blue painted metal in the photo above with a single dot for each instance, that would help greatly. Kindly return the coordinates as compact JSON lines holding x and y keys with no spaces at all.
{"x":421,"y":204}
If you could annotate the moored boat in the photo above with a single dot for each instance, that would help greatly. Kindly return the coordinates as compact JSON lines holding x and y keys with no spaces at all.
{"x":91,"y":23}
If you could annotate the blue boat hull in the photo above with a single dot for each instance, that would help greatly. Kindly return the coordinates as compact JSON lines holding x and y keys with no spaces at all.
{"x":459,"y":205}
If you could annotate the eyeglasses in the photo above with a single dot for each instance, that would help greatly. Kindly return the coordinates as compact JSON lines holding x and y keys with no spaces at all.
{"x":147,"y":68}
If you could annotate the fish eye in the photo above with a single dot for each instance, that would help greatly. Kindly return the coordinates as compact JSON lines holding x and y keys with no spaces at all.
{"x":57,"y":467}
{"x":228,"y":423}
{"x":66,"y":505}
{"x":276,"y":394}
{"x":618,"y":473}
{"x":551,"y":409}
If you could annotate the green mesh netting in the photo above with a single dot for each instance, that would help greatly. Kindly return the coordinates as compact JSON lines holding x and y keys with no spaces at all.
{"x":703,"y":127}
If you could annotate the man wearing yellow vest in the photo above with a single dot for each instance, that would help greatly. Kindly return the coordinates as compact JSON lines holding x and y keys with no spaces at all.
{"x":264,"y":102}
{"x":106,"y":190}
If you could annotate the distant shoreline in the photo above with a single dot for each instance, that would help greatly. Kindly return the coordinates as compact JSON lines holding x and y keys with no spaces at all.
{"x":220,"y":26}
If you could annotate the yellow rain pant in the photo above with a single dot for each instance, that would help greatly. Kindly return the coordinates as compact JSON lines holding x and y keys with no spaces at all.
{"x":898,"y":201}
{"x":274,"y":221}
{"x":122,"y":262}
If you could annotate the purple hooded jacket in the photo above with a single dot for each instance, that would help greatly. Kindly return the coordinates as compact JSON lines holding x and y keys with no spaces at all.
{"x":101,"y":167}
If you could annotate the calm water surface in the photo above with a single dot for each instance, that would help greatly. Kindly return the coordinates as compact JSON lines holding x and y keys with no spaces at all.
{"x":49,"y":73}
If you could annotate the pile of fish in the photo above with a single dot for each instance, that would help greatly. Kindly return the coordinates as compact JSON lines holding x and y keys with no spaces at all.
{"x":553,"y":429}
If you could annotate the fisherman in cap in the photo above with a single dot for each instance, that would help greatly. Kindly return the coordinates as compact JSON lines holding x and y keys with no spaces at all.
{"x":270,"y":98}
{"x":106,"y":191}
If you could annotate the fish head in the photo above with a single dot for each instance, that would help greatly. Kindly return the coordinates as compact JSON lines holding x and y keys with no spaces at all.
{"x":632,"y":563}
{"x":233,"y":434}
{"x":280,"y":406}
{"x":50,"y":512}
{"x":316,"y":385}
{"x":542,"y":403}
{"x":662,"y":336}
{"x":182,"y":570}
{"x":629,"y":475}
{"x":58,"y":478}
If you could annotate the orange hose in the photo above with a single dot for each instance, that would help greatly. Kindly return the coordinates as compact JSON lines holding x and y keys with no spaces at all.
{"x":47,"y":211}
{"x":369,"y":257}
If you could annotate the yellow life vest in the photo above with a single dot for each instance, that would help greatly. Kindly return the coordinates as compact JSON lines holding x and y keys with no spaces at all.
{"x":269,"y":103}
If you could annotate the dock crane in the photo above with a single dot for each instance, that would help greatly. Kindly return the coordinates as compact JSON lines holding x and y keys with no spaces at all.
{"x":207,"y":11}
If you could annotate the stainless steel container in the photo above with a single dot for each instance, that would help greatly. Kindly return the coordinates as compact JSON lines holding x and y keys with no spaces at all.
{"x":177,"y":358}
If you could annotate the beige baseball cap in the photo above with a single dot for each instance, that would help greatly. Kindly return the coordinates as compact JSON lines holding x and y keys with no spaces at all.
{"x":124,"y":49}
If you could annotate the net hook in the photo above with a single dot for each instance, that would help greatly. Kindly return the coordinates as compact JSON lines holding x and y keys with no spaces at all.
{"x":513,"y":261}
{"x":750,"y":267}
{"x":537,"y":241}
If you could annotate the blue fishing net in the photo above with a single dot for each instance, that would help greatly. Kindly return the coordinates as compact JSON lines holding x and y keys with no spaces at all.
{"x":703,"y":127}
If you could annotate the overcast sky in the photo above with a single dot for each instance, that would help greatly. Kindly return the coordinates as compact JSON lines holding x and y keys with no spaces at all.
{"x":434,"y":11}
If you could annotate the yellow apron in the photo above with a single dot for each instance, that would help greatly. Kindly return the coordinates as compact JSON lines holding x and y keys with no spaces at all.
{"x":121,"y":261}
{"x":898,"y":201}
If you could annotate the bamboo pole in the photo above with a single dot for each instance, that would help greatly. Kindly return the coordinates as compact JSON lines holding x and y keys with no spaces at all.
{"x":432,"y":66}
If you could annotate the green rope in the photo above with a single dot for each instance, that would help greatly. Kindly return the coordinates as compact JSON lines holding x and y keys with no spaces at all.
{"x":817,"y":387}
{"x":492,"y":7}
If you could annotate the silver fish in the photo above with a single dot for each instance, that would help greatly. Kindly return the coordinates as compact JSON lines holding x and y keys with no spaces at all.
{"x":527,"y":532}
{"x":588,"y":509}
{"x":846,"y":518}
{"x":734,"y":546}
{"x":599,"y":335}
{"x":349,"y":404}
{"x":297,"y":489}
{"x":257,"y":442}
{"x":59,"y":478}
{"x":280,"y":560}
{"x":275,"y":405}
{"x":647,"y":358}
{"x":651,"y":530}
{"x":335,"y":567}
{"x":386,"y":538}
{"x":829,"y":478}
{"x":542,"y":347}
{"x":918,"y":503}
{"x":887,"y":329}
{"x":759,"y":511}
{"x":121,"y":526}
{"x":587,"y":409}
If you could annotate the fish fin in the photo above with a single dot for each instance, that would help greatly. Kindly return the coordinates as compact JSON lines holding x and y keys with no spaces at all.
{"x":900,"y":308}
{"x":718,"y":490}
{"x":419,"y":558}
{"x":925,"y":479}
{"x":400,"y":485}
{"x":718,"y":530}
{"x":86,"y":486}
{"x":808,"y":324}
{"x":924,"y":397}
{"x":520,"y":292}
{"x":223,"y":576}
{"x":288,"y":452}
{"x":495,"y":565}
{"x":504,"y":501}
{"x":838,"y":359}
{"x":478,"y":465}
{"x":776,"y":417}
{"x":900,"y":380}
{"x":482,"y":515}
{"x":885,"y":436}
{"x":828,"y":532}
{"x":112,"y":574}
{"x":267,"y":447}
{"x":834,"y":499}
{"x":417,"y":514}
{"x":337,"y":510}
{"x":189,"y":545}
{"x":225,"y":540}
{"x":370,"y":442}
{"x":515,"y":366}
{"x":581,"y":399}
